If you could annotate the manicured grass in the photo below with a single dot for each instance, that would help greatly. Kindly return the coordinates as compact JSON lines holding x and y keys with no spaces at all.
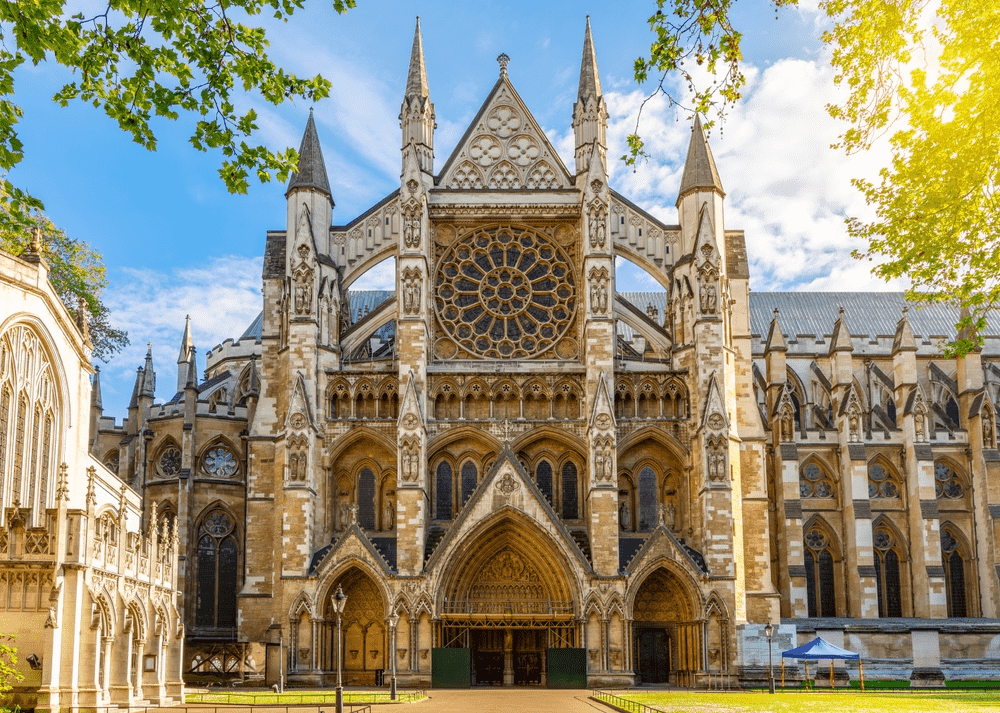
{"x":847,"y":701}
{"x":295,"y":698}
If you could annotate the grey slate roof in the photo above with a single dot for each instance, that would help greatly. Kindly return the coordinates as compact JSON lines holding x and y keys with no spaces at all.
{"x":866,"y":314}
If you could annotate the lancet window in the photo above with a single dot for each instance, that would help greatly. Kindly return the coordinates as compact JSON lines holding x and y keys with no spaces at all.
{"x":29,"y":415}
{"x":570,"y":490}
{"x":955,"y":562}
{"x":821,"y":590}
{"x":887,"y":572}
{"x":543,"y":477}
{"x":218,"y":564}
{"x":443,"y":491}
{"x":470,"y":478}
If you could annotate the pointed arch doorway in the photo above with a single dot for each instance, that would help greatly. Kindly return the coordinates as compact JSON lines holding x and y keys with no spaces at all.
{"x":509,"y":604}
{"x":667,"y":636}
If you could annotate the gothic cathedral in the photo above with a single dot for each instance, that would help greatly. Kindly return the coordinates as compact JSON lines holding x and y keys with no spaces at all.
{"x":518,"y":473}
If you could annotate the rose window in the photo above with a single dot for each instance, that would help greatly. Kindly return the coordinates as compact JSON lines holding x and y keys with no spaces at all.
{"x":505,"y":293}
{"x":220,"y":463}
{"x":170,"y":462}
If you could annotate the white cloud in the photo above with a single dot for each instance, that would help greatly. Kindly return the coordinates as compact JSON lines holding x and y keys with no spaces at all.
{"x":784,"y":185}
{"x":222,"y":296}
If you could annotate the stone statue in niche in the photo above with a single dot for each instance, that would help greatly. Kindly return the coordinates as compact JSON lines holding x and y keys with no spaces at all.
{"x":918,"y":426}
{"x":854,"y":423}
{"x":411,"y":292}
{"x":716,"y":464}
{"x":409,"y":469}
{"x":599,"y":291}
{"x":669,"y":515}
{"x":343,"y":512}
{"x":411,"y":228}
{"x":987,"y":430}
{"x":787,"y":426}
{"x":709,"y":297}
{"x":303,"y":300}
{"x":624,"y":516}
{"x":389,"y":515}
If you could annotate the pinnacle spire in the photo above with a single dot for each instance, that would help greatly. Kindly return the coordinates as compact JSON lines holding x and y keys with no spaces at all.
{"x":186,"y":342}
{"x":590,"y":79}
{"x":699,"y":168}
{"x":148,"y":375}
{"x":311,"y":172}
{"x":904,"y":340}
{"x":416,"y":80}
{"x":776,"y":337}
{"x":95,"y":390}
{"x":186,"y":359}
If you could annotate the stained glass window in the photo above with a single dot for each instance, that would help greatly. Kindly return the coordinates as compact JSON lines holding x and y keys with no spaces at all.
{"x":947,"y":483}
{"x":543,"y":476}
{"x":218,"y":566}
{"x":443,"y":511}
{"x":470,"y":478}
{"x":820,"y":585}
{"x":366,"y":499}
{"x":570,"y":501}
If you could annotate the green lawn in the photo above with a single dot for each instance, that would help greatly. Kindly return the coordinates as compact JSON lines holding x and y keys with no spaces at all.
{"x":818,"y":702}
{"x":294,"y":698}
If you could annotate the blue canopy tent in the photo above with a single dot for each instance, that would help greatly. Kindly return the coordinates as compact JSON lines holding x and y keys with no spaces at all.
{"x":820,"y":648}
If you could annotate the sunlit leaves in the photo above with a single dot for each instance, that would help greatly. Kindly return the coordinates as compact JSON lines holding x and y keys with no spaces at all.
{"x":937,"y":215}
{"x":690,"y":34}
{"x":140,"y":60}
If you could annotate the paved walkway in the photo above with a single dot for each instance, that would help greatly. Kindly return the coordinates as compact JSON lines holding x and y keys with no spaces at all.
{"x":501,"y":700}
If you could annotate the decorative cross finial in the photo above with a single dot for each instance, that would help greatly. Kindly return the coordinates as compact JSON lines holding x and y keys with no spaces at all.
{"x":502,"y":60}
{"x":506,"y":427}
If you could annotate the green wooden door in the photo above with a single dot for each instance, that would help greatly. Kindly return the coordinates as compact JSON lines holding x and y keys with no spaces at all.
{"x":451,"y":668}
{"x":566,"y":668}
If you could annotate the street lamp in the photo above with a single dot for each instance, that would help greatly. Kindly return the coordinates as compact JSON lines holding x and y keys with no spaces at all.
{"x":339,"y":600}
{"x":393,"y":620}
{"x":769,"y":632}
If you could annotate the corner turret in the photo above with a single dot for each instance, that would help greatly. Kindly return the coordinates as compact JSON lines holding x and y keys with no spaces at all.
{"x":310,"y":187}
{"x":186,"y":358}
{"x":700,"y":187}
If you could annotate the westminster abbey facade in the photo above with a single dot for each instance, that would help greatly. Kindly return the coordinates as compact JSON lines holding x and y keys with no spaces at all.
{"x":519,"y":473}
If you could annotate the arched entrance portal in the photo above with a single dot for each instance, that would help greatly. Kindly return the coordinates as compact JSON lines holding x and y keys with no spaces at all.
{"x":666,"y":638}
{"x":363,"y":628}
{"x":509,"y":603}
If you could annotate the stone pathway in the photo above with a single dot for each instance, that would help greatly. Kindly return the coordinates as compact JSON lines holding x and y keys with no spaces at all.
{"x":501,"y":700}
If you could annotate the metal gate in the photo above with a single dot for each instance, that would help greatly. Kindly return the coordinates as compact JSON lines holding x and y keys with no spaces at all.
{"x":566,"y":668}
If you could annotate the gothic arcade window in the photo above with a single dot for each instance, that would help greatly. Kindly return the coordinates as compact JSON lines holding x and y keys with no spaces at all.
{"x":647,"y":499}
{"x":28,"y":413}
{"x":887,"y":577}
{"x":570,"y":500}
{"x":814,"y":482}
{"x":443,"y":494}
{"x":215,"y":605}
{"x":543,"y":477}
{"x":470,"y":478}
{"x":366,"y":499}
{"x":882,"y":483}
{"x":954,"y":573}
{"x":947,"y":484}
{"x":820,"y":584}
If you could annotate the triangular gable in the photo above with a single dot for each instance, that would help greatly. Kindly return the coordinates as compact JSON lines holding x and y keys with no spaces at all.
{"x":411,"y":416}
{"x":715,"y":407}
{"x":504,"y":148}
{"x":353,"y":543}
{"x":661,"y":542}
{"x":507,"y":485}
{"x":299,"y":405}
{"x":602,"y":418}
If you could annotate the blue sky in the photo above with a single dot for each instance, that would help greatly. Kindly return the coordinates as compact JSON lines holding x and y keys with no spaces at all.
{"x":176,"y":243}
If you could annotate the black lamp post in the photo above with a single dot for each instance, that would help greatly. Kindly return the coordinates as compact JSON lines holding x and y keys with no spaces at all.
{"x":769,"y":632}
{"x":339,"y":600}
{"x":393,"y":620}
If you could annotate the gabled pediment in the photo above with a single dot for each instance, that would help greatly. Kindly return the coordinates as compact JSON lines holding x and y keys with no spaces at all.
{"x":507,"y":486}
{"x":352,"y":544}
{"x":504,"y":149}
